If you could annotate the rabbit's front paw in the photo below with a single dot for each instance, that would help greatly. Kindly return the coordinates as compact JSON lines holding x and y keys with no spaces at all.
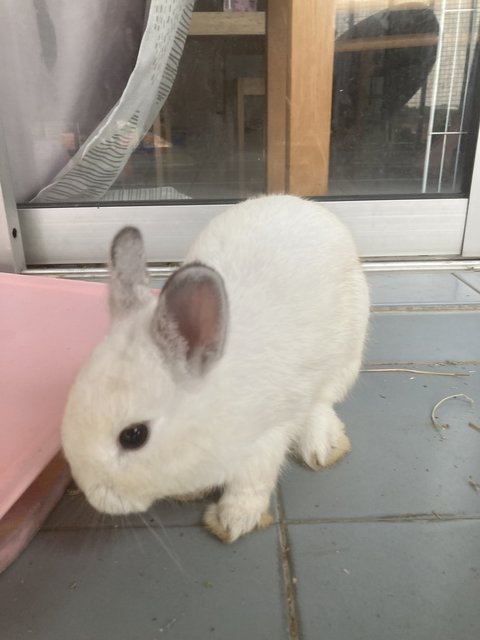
{"x":229,"y":521}
{"x":323,"y":441}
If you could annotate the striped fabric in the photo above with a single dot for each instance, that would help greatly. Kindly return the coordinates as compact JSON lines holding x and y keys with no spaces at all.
{"x":138,"y":194}
{"x":99,"y":161}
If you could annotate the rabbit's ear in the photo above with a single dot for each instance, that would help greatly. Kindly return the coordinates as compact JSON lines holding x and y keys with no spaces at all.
{"x":129,"y":279}
{"x":191,"y":318}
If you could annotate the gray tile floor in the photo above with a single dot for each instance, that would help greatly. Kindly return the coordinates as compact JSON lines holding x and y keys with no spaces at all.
{"x":384,"y":545}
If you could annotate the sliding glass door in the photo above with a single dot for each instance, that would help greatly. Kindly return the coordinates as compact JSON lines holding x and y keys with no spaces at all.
{"x":161,"y":112}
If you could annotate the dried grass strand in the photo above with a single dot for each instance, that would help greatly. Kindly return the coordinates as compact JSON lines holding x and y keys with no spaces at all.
{"x":418,"y":371}
{"x":438,"y":425}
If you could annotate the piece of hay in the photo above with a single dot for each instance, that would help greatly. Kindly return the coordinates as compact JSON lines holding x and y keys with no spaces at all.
{"x":475,"y":486}
{"x":419,"y":371}
{"x":438,"y":425}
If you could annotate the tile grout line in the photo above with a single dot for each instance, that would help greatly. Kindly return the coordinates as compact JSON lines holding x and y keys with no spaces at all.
{"x":445,"y":307}
{"x":287,"y":573}
{"x":426,"y":363}
{"x":406,"y":518}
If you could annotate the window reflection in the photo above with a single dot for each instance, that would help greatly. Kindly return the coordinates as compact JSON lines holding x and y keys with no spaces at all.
{"x":194,"y":119}
{"x":399,"y":120}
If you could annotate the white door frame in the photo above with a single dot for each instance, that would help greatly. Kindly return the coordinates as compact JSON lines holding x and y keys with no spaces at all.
{"x":471,"y":238}
{"x":415,"y":228}
{"x":12,"y":257}
{"x":440,"y":228}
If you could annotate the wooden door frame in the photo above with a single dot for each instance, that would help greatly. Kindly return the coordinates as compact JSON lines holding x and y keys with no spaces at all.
{"x":300,"y":50}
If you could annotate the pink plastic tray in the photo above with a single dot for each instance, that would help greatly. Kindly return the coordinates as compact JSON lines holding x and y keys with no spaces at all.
{"x":47,"y":329}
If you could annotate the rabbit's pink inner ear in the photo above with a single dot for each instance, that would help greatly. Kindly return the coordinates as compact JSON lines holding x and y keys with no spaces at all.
{"x":195,"y":304}
{"x":198,"y":315}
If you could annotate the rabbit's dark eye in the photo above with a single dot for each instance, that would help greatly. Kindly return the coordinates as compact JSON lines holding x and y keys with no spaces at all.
{"x":133,"y":437}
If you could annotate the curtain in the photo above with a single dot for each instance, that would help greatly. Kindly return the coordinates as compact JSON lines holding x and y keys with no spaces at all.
{"x":97,"y":164}
{"x":93,"y":73}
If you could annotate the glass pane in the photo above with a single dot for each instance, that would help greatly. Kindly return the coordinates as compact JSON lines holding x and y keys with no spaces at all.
{"x":402,"y":116}
{"x":157,"y":100}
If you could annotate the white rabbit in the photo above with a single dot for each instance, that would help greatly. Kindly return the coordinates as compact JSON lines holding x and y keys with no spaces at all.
{"x":238,"y":362}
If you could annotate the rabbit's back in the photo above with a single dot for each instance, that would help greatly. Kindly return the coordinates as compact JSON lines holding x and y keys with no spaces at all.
{"x":297,"y":294}
{"x":274,"y":236}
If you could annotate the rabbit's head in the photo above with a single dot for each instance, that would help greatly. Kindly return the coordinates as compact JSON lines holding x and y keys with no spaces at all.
{"x":117,"y":429}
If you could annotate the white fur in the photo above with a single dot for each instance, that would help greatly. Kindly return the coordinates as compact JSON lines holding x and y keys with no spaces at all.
{"x":298,"y":309}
